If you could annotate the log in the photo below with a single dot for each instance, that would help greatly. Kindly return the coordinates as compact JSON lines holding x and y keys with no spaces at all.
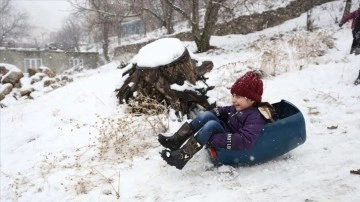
{"x":164,"y":84}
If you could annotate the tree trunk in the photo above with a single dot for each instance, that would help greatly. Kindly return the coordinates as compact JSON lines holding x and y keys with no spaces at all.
{"x":156,"y":83}
{"x":211,"y":15}
{"x":347,"y":7}
{"x":119,"y":32}
{"x":169,"y":26}
{"x":309,"y":21}
{"x":203,"y":43}
{"x":168,"y":17}
{"x":106,"y":29}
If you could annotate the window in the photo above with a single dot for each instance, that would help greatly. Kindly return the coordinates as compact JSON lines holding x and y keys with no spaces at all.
{"x":32,"y":63}
{"x":75,"y":62}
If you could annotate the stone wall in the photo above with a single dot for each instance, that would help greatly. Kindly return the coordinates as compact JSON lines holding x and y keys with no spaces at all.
{"x":259,"y":21}
{"x":57,"y":61}
{"x":243,"y":24}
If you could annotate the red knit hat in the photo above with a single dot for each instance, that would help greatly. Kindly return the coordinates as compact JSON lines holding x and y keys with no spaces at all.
{"x":249,"y":85}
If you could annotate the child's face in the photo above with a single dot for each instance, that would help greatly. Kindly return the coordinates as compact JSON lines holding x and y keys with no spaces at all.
{"x":241,"y":102}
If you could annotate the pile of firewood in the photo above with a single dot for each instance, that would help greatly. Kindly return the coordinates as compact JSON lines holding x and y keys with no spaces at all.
{"x":158,"y":84}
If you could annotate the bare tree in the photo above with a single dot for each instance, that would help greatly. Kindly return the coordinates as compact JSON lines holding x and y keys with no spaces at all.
{"x":161,"y":11}
{"x":70,"y":34}
{"x":104,"y":15}
{"x":13,"y":23}
{"x":201,"y":32}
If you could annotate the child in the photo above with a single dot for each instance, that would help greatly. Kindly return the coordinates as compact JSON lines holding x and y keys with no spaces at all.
{"x":355,"y":26}
{"x":235,"y":127}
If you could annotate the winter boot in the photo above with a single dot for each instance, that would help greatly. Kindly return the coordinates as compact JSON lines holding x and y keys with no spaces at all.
{"x":357,"y":81}
{"x":180,"y":157}
{"x":174,"y":142}
{"x":352,"y":49}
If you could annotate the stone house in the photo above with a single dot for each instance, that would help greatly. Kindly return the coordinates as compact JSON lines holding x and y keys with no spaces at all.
{"x":56,"y":60}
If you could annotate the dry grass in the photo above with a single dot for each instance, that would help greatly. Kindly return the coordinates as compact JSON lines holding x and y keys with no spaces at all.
{"x":132,"y":134}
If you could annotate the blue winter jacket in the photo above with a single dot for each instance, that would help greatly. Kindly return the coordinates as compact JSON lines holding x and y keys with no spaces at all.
{"x":244,"y":127}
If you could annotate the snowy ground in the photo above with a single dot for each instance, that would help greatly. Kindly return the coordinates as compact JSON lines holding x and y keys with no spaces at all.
{"x":77,"y":144}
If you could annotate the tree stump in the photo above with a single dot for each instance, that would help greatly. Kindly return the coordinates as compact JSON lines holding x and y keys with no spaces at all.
{"x":173,"y":84}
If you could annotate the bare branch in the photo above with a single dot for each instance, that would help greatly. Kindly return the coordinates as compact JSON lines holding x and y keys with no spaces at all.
{"x":179,"y":10}
{"x":153,"y":14}
{"x":13,"y":23}
{"x":109,"y":13}
{"x":97,"y":9}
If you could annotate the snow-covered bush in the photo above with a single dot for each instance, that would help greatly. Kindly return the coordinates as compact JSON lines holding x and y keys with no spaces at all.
{"x":296,"y":47}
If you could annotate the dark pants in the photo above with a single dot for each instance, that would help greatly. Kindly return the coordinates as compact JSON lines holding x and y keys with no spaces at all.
{"x":207,"y":124}
{"x":354,"y":44}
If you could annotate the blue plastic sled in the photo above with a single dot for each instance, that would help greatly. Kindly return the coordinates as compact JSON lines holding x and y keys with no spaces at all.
{"x":279,"y":137}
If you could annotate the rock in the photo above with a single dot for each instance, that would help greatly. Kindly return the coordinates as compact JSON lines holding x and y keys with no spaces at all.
{"x":18,"y":85}
{"x":3,"y":70}
{"x":47,"y":71}
{"x":50,"y":73}
{"x":37,"y":77}
{"x":26,"y":92}
{"x":66,"y":78}
{"x":33,"y":71}
{"x":5,"y":90}
{"x":48,"y":82}
{"x":55,"y":86}
{"x":12,"y":77}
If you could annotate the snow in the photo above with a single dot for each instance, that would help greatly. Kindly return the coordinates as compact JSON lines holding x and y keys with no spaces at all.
{"x":5,"y":86}
{"x":77,"y":143}
{"x":10,"y":67}
{"x":160,"y":52}
{"x":186,"y":86}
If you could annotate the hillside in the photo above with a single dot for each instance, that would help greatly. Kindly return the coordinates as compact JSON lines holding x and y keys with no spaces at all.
{"x":78,"y":144}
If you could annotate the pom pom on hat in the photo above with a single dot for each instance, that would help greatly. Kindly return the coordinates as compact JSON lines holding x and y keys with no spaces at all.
{"x":249,"y":85}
